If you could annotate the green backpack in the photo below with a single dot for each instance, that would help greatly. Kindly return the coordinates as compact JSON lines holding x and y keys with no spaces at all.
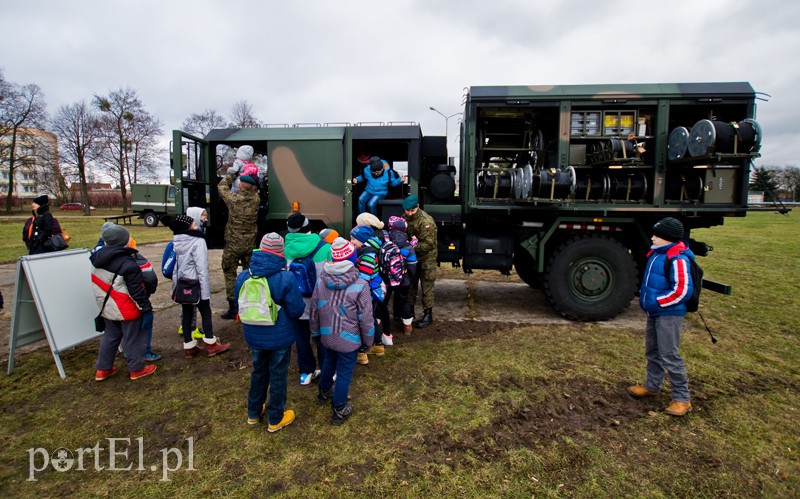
{"x":256,"y":306}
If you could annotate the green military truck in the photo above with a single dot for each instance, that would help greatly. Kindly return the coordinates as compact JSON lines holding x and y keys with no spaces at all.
{"x":151,"y":201}
{"x":559,"y":183}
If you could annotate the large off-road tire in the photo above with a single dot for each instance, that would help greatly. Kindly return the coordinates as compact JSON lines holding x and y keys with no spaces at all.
{"x":524,"y":265}
{"x":590,"y":278}
{"x":151,"y":219}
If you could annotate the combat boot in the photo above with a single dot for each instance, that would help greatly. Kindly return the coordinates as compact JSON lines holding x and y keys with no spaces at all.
{"x":427,"y":319}
{"x":233,"y":311}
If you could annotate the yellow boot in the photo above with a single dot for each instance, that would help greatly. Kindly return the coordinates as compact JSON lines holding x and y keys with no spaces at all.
{"x":362,"y":358}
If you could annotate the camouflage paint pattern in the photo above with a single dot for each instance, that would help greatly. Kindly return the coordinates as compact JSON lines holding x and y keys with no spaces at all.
{"x":240,"y":231}
{"x":422,"y":225}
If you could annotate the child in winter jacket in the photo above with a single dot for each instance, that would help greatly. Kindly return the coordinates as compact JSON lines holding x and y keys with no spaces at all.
{"x":271,"y":345}
{"x":200,"y":217}
{"x":378,"y":177}
{"x":150,"y":280}
{"x":120,"y":292}
{"x":662,"y":296}
{"x":243,"y":165}
{"x":400,"y":294}
{"x":341,"y":315}
{"x":191,"y":262}
{"x":301,"y":243}
{"x":367,"y":263}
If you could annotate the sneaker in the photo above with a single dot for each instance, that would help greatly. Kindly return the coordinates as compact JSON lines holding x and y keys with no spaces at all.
{"x":180,"y":330}
{"x":339,"y":415}
{"x":378,"y":350}
{"x":104,"y":374}
{"x":639,"y":391}
{"x":387,"y":340}
{"x":256,"y":420}
{"x":362,"y":358}
{"x":678,"y":408}
{"x":145,"y":371}
{"x":217,"y":347}
{"x":288,"y":417}
{"x":305,"y":379}
{"x":334,"y":377}
{"x":198,"y":334}
{"x":151,"y":357}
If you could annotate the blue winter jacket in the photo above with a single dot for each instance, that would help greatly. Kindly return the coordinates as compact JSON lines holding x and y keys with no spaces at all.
{"x":380,"y":186}
{"x":284,"y":291}
{"x":666,"y":295}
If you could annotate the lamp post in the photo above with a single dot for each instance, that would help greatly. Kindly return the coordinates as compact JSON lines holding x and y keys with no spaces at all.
{"x":446,"y":120}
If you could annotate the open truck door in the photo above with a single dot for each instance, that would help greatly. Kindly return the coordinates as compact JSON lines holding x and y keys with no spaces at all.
{"x":194,"y":168}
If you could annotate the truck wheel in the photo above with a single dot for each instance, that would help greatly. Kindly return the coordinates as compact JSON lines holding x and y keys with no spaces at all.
{"x":151,"y":220}
{"x":524,"y":266}
{"x":590,"y":278}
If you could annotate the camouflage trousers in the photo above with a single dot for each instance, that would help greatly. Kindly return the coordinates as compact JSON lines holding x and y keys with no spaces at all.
{"x":425,"y":278}
{"x":232,"y":257}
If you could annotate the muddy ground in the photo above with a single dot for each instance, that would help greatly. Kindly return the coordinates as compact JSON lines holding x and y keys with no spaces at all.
{"x":485,"y":296}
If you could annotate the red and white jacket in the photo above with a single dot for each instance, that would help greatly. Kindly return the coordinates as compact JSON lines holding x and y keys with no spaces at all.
{"x":128,"y":298}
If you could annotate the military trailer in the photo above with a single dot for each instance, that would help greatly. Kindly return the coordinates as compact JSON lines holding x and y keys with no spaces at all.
{"x":559,"y":183}
{"x":152,"y":201}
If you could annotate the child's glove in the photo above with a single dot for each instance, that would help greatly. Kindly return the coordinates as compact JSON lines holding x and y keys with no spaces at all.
{"x":414,"y":241}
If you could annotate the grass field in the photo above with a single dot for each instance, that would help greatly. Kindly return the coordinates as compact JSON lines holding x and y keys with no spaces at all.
{"x":84,"y":230}
{"x":465,"y":410}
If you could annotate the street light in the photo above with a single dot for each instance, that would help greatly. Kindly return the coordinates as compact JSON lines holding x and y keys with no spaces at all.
{"x":446,"y":120}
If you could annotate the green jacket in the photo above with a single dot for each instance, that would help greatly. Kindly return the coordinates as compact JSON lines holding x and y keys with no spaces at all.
{"x":423,"y":226}
{"x":298,"y":245}
{"x":242,"y":213}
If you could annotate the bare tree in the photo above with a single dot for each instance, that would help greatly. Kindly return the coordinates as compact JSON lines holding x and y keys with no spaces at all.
{"x":129,"y":132}
{"x":790,"y":180}
{"x":145,"y":150}
{"x":242,"y":115}
{"x":21,"y":107}
{"x":78,"y":129}
{"x":200,"y":124}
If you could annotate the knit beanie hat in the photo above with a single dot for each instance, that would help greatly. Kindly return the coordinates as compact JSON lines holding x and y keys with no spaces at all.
{"x":397,"y":223}
{"x":369,"y":220}
{"x":361,"y":233}
{"x":115,"y":235}
{"x":410,"y":202}
{"x":296,"y":222}
{"x":375,"y":164}
{"x":342,"y":249}
{"x":670,"y":229}
{"x":181,"y":223}
{"x":272,"y":243}
{"x":328,"y":235}
{"x":42,"y":200}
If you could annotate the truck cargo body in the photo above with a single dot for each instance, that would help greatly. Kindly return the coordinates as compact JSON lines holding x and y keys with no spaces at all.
{"x":559,"y":183}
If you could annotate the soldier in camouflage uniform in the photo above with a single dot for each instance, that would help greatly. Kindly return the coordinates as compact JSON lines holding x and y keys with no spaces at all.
{"x":240,"y":232}
{"x":422,"y":225}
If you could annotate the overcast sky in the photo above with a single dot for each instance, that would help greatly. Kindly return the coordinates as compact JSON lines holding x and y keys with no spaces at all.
{"x":372,"y":61}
